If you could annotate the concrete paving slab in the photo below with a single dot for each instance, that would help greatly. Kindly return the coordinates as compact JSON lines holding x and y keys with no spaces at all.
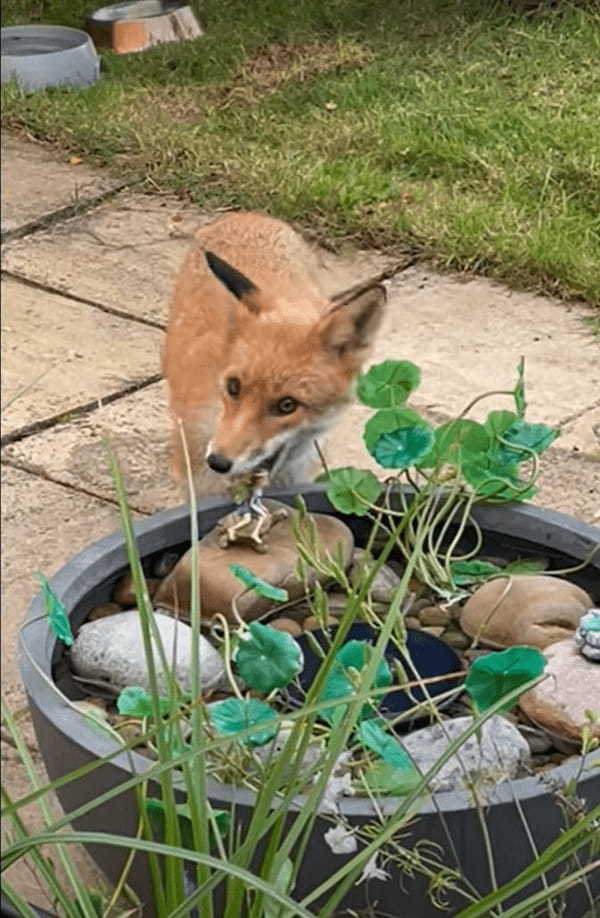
{"x":43,"y":525}
{"x":59,"y":354}
{"x":467,"y":337}
{"x":125,"y":255}
{"x":582,"y":435}
{"x":35,"y":185}
{"x":74,"y":453}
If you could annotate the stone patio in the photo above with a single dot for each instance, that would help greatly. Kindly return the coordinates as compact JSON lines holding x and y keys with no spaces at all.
{"x":87,"y":271}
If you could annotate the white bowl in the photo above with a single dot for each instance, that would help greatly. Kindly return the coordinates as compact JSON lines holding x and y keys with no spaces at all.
{"x":39,"y":56}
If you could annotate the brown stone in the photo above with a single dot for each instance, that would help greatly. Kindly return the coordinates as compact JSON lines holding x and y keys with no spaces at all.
{"x":411,"y":621}
{"x":108,"y":608}
{"x":312,"y":623}
{"x":124,"y":592}
{"x":433,"y":630}
{"x":433,"y":615}
{"x":218,"y":586}
{"x":457,"y":639}
{"x":536,"y":610}
{"x":559,"y":703}
{"x":288,"y":625}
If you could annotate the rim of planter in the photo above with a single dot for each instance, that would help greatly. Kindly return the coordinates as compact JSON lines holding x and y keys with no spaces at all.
{"x":88,"y":569}
{"x":134,"y":10}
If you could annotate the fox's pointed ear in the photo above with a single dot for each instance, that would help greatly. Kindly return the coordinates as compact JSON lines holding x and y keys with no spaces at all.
{"x":350,"y":327}
{"x":237,"y":283}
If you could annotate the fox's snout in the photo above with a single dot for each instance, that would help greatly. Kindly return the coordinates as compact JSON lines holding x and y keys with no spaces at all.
{"x":219,"y":463}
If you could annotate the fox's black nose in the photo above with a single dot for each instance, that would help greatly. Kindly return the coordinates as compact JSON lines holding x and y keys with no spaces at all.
{"x":219,"y":463}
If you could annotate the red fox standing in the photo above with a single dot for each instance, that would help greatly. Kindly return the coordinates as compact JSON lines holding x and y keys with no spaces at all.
{"x":258,"y":361}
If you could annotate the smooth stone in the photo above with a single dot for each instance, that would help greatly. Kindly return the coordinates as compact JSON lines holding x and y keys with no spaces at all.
{"x":386,"y":580}
{"x":536,"y":611}
{"x":587,"y":636}
{"x":434,"y":615}
{"x":433,"y":630}
{"x":412,"y":622}
{"x":499,"y":753}
{"x":278,"y":566}
{"x":288,"y":625}
{"x":538,"y":740}
{"x":109,"y":608}
{"x":312,"y":623}
{"x":112,"y":650}
{"x":456,"y":639}
{"x":124,"y":592}
{"x":559,"y":703}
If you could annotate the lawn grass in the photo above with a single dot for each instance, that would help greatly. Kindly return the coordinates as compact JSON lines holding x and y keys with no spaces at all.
{"x":462,"y":129}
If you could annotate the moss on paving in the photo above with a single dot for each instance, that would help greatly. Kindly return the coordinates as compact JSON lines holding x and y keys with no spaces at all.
{"x":466,"y":130}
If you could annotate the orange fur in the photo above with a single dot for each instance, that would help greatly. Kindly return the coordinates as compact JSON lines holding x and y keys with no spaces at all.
{"x":279,"y":338}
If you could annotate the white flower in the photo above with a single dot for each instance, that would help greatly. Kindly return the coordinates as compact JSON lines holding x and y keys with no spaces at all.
{"x":341,"y":840}
{"x":372,"y":872}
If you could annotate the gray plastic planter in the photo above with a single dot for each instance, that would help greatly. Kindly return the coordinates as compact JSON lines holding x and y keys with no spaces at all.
{"x":40,"y":56}
{"x":67,"y":742}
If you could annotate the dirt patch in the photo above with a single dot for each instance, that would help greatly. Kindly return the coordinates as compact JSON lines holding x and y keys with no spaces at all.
{"x":261,"y":75}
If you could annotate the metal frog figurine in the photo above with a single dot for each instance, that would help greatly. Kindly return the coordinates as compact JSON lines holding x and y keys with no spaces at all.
{"x":251,"y":521}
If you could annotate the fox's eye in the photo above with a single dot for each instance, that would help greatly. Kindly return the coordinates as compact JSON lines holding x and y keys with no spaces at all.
{"x":285,"y":405}
{"x":233,"y":386}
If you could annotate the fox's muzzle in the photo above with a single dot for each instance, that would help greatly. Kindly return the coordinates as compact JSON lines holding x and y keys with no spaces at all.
{"x":219,"y":463}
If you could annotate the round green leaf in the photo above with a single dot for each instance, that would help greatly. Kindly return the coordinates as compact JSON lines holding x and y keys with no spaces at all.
{"x":339,"y":684}
{"x":387,"y":420}
{"x":388,"y":384}
{"x":374,"y":737}
{"x":499,"y":421}
{"x":352,"y":490}
{"x":456,"y":441}
{"x":268,"y":658}
{"x":383,"y":779}
{"x":234,"y":715}
{"x":255,"y":583}
{"x":495,"y":481}
{"x":536,"y":437}
{"x":467,"y":572}
{"x":134,"y":701}
{"x":403,"y":447}
{"x":495,"y":675}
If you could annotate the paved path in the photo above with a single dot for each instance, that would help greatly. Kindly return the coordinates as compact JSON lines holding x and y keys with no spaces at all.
{"x":87,"y":269}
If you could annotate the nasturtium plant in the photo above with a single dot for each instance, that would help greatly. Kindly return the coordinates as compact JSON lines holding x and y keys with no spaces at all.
{"x":268,"y":659}
{"x":339,"y":684}
{"x":56,"y":612}
{"x":374,"y":737}
{"x":384,"y":779}
{"x":386,"y":420}
{"x":352,"y":490}
{"x":388,"y":384}
{"x":534,"y":437}
{"x":495,"y":481}
{"x":255,"y":583}
{"x":456,"y":441}
{"x":134,"y":701}
{"x":497,"y":422}
{"x":495,"y":675}
{"x":155,"y":810}
{"x":465,"y":573}
{"x":233,"y":715}
{"x":403,"y":447}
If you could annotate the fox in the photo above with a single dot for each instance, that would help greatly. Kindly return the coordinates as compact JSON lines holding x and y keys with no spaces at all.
{"x":258,"y":361}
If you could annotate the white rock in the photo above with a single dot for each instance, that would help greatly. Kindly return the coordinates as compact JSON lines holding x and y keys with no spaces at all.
{"x":386,"y":580}
{"x":111,"y":649}
{"x":498,"y":754}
